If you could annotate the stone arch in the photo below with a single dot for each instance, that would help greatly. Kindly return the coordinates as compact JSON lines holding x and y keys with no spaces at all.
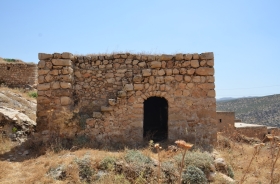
{"x":155,"y":121}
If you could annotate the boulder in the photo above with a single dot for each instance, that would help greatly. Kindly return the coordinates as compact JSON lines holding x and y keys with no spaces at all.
{"x":13,"y":118}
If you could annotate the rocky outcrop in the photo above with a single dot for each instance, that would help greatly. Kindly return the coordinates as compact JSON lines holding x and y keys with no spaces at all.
{"x":15,"y":124}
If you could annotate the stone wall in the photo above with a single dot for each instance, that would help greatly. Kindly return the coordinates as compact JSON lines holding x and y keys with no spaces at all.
{"x":18,"y":74}
{"x":273,"y":130}
{"x":225,"y":121}
{"x":101,"y":96}
{"x":258,"y":132}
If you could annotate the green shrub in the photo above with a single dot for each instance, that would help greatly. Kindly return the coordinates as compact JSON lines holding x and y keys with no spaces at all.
{"x":224,"y":142}
{"x":137,"y":157}
{"x":193,"y":175}
{"x":33,"y":94}
{"x":9,"y":60}
{"x":230,"y":172}
{"x":107,"y":163}
{"x":14,"y":129}
{"x":170,"y":171}
{"x":202,"y":160}
{"x":57,"y":173}
{"x":140,"y":168}
{"x":85,"y":170}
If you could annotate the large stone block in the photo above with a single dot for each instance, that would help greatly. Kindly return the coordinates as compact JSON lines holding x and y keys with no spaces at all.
{"x":43,"y":56}
{"x":161,"y":72}
{"x":137,"y":79}
{"x":155,"y":64}
{"x":207,"y":86}
{"x":41,"y":64}
{"x":204,"y":71}
{"x":61,"y":62}
{"x":128,"y":87}
{"x":194,"y":63}
{"x":43,"y":87}
{"x":138,"y":86}
{"x":55,"y":85}
{"x":179,"y":57}
{"x":41,"y":79}
{"x":207,"y":55}
{"x":160,"y":80}
{"x":65,"y":100}
{"x":43,"y":100}
{"x":67,"y":55}
{"x":43,"y":72}
{"x":210,"y":62}
{"x":65,"y":85}
{"x":211,"y":93}
{"x":165,"y":57}
{"x":146,"y":72}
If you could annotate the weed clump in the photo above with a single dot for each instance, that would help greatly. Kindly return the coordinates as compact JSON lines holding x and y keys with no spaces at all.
{"x":107,"y":163}
{"x":57,"y":173}
{"x":230,"y":172}
{"x":170,"y":171}
{"x":140,"y":168}
{"x":193,"y":175}
{"x":201,"y":160}
{"x":135,"y":156}
{"x":33,"y":94}
{"x":85,"y":170}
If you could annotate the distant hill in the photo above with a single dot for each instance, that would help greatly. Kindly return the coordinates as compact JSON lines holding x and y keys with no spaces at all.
{"x":225,"y":99}
{"x":257,"y":110}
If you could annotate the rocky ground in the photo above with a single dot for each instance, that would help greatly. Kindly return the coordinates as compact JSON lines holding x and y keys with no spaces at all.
{"x":17,"y":120}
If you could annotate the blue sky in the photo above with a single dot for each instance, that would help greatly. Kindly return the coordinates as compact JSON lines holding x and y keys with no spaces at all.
{"x":244,"y":35}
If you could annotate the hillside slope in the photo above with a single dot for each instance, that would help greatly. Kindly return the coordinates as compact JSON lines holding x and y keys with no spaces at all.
{"x":257,"y":110}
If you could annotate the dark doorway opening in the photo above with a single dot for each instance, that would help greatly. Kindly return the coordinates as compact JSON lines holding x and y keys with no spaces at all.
{"x":156,"y":118}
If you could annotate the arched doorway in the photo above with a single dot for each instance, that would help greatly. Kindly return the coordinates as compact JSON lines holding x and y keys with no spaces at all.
{"x":156,"y":118}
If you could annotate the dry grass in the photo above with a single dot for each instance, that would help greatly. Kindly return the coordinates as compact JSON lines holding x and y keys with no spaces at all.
{"x":35,"y":170}
{"x":239,"y":156}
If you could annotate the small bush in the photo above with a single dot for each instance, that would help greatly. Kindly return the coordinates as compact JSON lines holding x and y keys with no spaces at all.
{"x":170,"y":171}
{"x":14,"y":129}
{"x":230,"y":172}
{"x":137,"y":157}
{"x":224,"y":142}
{"x":9,"y":60}
{"x":139,"y":169}
{"x":193,"y":175}
{"x":107,"y":163}
{"x":57,"y":173}
{"x":202,"y":160}
{"x":33,"y":94}
{"x":85,"y":170}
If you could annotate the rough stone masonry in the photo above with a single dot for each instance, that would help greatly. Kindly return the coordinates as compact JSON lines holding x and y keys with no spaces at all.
{"x":102,"y":97}
{"x":18,"y":74}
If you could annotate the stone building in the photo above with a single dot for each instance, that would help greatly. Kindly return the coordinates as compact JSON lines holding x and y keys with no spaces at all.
{"x":225,"y":121}
{"x":127,"y":98}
